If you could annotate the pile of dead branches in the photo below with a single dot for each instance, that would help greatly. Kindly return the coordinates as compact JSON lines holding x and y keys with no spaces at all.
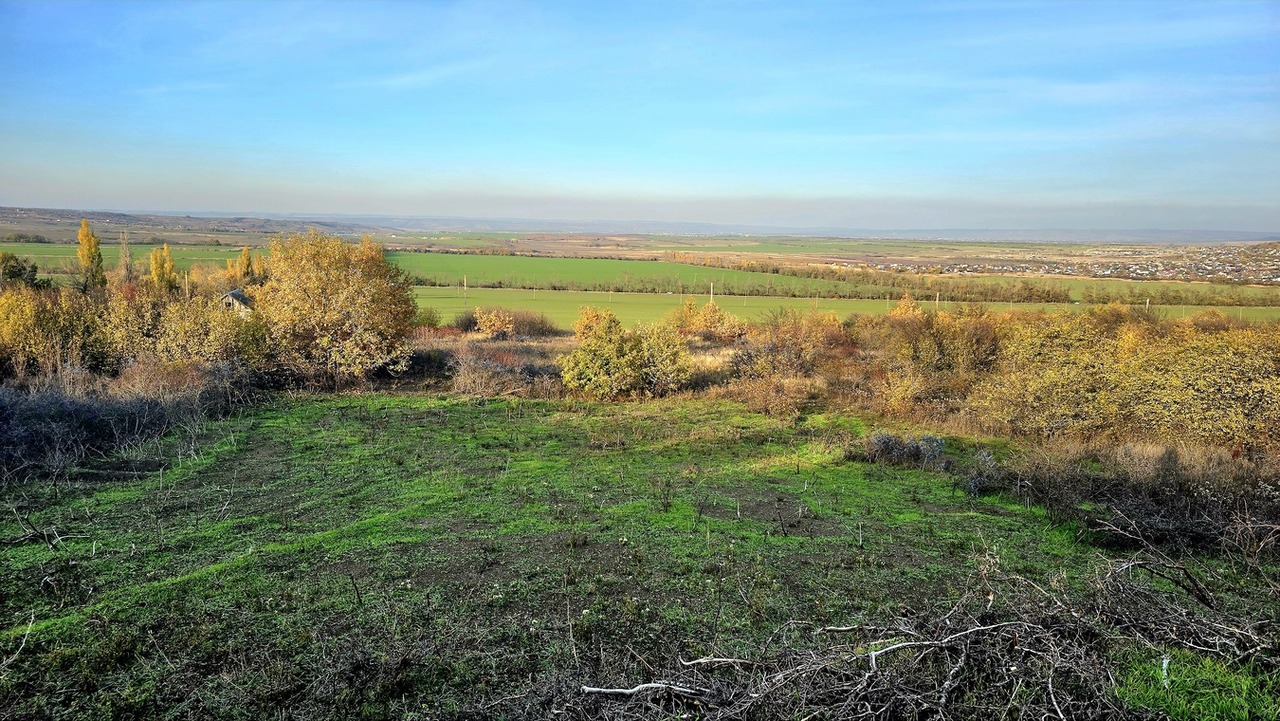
{"x":1009,"y":649}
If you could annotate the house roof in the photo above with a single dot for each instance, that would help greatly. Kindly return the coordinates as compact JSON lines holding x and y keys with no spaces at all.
{"x":238,"y":296}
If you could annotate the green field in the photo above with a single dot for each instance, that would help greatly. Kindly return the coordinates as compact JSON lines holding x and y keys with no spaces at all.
{"x":582,"y":273}
{"x":372,"y":556}
{"x":562,"y":306}
{"x":53,"y":257}
{"x":767,"y":291}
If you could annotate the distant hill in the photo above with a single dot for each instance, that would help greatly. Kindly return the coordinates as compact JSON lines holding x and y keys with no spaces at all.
{"x":517,"y":225}
{"x":208,"y":221}
{"x":158,"y":222}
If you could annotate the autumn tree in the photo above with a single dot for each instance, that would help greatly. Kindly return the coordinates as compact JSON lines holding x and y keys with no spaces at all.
{"x":124,"y":266}
{"x":163,"y":276}
{"x":90,"y":256}
{"x":332,"y":309}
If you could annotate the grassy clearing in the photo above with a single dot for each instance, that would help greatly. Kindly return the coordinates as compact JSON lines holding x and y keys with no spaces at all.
{"x":359,"y":556}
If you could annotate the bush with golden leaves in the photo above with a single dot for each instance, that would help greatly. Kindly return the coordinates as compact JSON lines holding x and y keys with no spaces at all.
{"x":497,"y":323}
{"x":47,"y":332}
{"x":334,"y":310}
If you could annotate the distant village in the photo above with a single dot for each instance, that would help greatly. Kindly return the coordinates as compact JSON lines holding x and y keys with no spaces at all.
{"x":1238,"y":264}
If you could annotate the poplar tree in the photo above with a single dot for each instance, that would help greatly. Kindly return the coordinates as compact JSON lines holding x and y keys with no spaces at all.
{"x":163,"y":276}
{"x":90,"y":255}
{"x":124,"y":267}
{"x":244,"y":267}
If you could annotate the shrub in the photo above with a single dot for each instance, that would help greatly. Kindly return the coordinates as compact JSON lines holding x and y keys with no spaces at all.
{"x":427,"y":317}
{"x":48,"y":332}
{"x":787,"y":342}
{"x":497,"y":323}
{"x":334,"y":310}
{"x":465,"y":321}
{"x":709,"y":322}
{"x":489,"y":372}
{"x":529,"y":324}
{"x":589,"y":319}
{"x":611,"y":362}
{"x":665,"y":366}
{"x":884,"y":447}
{"x":200,"y":330}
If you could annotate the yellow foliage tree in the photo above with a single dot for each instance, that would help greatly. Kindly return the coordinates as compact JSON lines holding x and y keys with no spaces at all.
{"x":124,"y":266}
{"x":46,"y":332}
{"x":163,"y":276}
{"x":90,"y":256}
{"x":132,"y":321}
{"x":334,"y":309}
{"x":200,"y":330}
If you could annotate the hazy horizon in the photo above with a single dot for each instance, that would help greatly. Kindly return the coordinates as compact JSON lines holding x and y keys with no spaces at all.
{"x":945,"y":115}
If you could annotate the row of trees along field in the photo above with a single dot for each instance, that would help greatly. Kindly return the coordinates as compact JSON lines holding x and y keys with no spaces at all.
{"x":871,"y":284}
{"x":323,"y":309}
{"x":776,"y":282}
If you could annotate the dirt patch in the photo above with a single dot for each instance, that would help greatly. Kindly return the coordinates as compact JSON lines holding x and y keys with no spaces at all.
{"x":785,"y":512}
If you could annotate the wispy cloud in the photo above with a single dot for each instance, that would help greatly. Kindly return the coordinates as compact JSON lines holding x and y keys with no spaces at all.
{"x":423,"y":77}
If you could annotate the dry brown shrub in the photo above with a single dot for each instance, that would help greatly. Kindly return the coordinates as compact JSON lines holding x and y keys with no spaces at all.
{"x":163,"y":381}
{"x":530,"y":324}
{"x":775,"y":396}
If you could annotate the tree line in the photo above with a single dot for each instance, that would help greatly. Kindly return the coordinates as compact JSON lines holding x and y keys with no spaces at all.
{"x":874,"y":284}
{"x":323,"y":310}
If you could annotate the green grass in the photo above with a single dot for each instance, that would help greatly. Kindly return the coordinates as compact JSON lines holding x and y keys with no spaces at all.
{"x":766,"y":291}
{"x":372,"y":556}
{"x":55,"y":256}
{"x":579,"y":273}
{"x":562,"y":306}
{"x":326,"y":536}
{"x":1193,"y":687}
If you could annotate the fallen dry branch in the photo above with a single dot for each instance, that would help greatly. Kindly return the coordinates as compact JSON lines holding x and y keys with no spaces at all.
{"x":1017,"y":650}
{"x":644,"y":687}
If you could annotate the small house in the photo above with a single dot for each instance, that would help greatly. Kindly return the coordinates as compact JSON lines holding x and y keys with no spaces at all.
{"x":237,"y":300}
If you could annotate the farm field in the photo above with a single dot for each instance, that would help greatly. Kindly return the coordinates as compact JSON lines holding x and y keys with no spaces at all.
{"x":562,"y":306}
{"x":768,"y":290}
{"x":376,"y":555}
{"x":524,"y":272}
{"x":55,"y":256}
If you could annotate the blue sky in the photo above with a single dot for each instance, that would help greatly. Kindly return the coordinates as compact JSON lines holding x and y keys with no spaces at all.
{"x":860,"y":115}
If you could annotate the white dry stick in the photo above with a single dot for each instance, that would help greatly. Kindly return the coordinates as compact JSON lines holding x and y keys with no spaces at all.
{"x":4,"y":665}
{"x":712,"y":661}
{"x":915,"y":644}
{"x":642,"y":688}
